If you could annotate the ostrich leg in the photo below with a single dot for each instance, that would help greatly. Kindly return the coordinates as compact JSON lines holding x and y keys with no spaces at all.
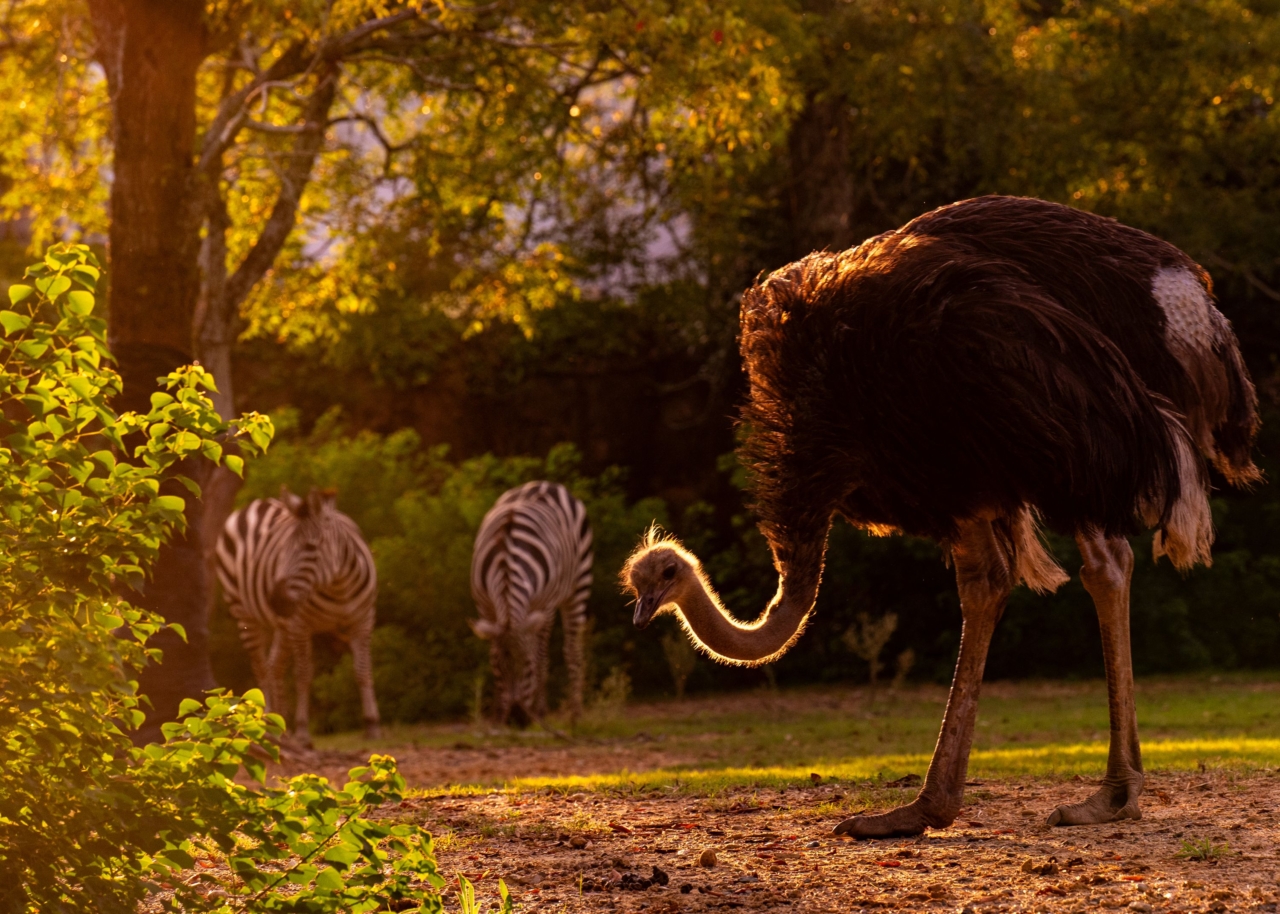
{"x":984,"y":578}
{"x":1108,"y":567}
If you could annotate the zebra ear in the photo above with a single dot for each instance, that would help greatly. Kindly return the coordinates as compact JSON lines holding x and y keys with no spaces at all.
{"x":319,"y":499}
{"x":291,"y":501}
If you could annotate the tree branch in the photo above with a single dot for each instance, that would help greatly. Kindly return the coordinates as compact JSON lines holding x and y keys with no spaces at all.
{"x":1248,"y":275}
{"x":293,"y":180}
{"x":222,"y":131}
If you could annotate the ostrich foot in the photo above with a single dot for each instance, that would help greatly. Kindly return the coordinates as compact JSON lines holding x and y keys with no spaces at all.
{"x":1116,"y":799}
{"x":911,"y":819}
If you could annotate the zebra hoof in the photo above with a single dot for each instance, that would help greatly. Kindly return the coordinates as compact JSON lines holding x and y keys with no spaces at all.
{"x":373,"y":730}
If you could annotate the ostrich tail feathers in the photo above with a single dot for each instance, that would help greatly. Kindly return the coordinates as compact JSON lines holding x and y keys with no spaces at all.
{"x":1186,"y":534}
{"x":1034,"y":564}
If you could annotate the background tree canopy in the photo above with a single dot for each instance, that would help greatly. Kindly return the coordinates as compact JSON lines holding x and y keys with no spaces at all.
{"x":521,"y":224}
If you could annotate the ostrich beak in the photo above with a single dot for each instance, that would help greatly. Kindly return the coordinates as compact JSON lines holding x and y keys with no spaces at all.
{"x":646,"y":606}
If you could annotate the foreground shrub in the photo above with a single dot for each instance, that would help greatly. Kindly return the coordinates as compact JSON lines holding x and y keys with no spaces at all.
{"x":88,"y":822}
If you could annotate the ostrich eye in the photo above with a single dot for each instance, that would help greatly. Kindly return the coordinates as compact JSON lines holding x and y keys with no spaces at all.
{"x":669,"y":572}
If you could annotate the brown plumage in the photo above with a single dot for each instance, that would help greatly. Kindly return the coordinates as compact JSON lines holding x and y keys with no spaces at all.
{"x":990,"y":354}
{"x":992,"y":363}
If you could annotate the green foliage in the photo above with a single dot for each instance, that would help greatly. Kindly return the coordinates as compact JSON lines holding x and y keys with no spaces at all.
{"x":420,"y":512}
{"x":88,"y":822}
{"x":1204,"y":849}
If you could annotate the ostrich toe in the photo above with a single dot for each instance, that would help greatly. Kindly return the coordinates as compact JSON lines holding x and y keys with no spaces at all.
{"x":910,"y":819}
{"x":1116,"y":799}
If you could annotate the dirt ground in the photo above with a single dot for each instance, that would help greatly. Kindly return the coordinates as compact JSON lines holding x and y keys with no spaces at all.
{"x":773,"y":850}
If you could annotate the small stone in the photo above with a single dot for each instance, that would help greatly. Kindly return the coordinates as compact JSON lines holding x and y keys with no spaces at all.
{"x":659,"y":877}
{"x":707,"y":858}
{"x":1046,"y":868}
{"x":1139,"y":906}
{"x":577,"y":842}
{"x":686,"y":888}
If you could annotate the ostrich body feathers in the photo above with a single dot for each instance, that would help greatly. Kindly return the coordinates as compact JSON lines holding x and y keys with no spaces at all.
{"x":1001,"y":357}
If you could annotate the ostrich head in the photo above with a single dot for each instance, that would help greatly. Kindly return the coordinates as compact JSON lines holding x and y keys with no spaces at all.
{"x":661,"y":574}
{"x":664,"y":577}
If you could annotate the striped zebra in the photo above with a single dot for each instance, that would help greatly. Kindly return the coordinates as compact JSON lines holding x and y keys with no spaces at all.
{"x":532,"y":557}
{"x":291,"y":567}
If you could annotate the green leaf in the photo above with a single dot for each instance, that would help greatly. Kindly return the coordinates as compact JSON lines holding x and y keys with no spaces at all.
{"x":188,"y":707}
{"x":33,"y":348}
{"x":235,"y":464}
{"x":86,"y":275}
{"x":255,"y":698}
{"x":342,"y":855}
{"x":53,"y":286}
{"x":329,"y":879}
{"x":80,"y":303}
{"x":12,"y":320}
{"x":170,"y":503}
{"x":19,"y":292}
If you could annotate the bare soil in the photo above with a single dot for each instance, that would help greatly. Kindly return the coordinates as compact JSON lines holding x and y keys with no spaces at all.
{"x":774,"y":851}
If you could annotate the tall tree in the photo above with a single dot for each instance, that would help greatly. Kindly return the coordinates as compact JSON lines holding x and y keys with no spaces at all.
{"x":244,"y":133}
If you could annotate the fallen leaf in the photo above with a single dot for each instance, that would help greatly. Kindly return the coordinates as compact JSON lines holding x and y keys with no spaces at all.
{"x":621,"y":829}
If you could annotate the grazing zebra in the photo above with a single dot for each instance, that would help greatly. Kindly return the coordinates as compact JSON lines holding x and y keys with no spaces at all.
{"x":532,"y":557}
{"x":291,"y":567}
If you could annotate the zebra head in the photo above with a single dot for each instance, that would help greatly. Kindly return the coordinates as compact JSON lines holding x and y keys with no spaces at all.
{"x":313,"y":556}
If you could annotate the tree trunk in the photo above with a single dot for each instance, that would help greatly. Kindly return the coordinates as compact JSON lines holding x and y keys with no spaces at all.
{"x":151,"y":50}
{"x":820,"y":191}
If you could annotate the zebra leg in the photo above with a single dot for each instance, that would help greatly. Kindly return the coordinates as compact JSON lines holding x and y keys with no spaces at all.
{"x":363,"y":664}
{"x":273,"y":684}
{"x":501,"y":688}
{"x":541,"y":665}
{"x":574,"y":620}
{"x":303,"y":670}
{"x":253,"y":639}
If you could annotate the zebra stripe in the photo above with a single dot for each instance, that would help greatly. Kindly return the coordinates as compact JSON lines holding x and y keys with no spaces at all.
{"x":291,"y":568}
{"x":532,"y":557}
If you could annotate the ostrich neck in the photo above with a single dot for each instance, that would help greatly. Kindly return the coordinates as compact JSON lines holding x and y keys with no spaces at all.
{"x":760,"y":641}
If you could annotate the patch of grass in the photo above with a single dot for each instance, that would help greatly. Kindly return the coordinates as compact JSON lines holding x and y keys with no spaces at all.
{"x":790,"y":727}
{"x":1055,"y":761}
{"x":1204,"y":849}
{"x":777,"y":738}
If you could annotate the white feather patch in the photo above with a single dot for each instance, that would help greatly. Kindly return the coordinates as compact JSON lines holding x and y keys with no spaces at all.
{"x":1186,"y":307}
{"x":1188,"y":538}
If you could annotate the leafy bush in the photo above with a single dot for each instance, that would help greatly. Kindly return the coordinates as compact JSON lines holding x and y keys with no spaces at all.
{"x":88,"y":822}
{"x":420,"y":512}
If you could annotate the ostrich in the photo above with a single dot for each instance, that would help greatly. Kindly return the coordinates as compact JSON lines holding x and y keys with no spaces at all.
{"x":992,"y":365}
